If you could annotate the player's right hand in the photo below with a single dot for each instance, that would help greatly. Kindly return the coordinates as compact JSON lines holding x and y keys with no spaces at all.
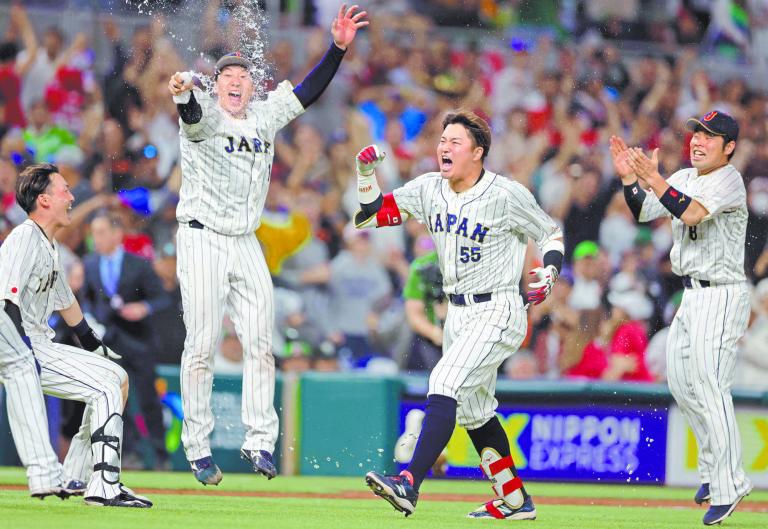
{"x":620,"y":158}
{"x":109,"y":353}
{"x":368,"y":159}
{"x":546,"y":276}
{"x":180,"y":82}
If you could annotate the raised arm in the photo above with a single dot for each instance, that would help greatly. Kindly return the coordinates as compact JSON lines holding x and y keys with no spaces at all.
{"x":344,"y":29}
{"x":20,"y":19}
{"x":375,"y":209}
{"x":196,"y":109}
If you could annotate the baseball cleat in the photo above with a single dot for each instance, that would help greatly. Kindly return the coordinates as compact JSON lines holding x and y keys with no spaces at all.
{"x":397,"y":490}
{"x":718,"y":513}
{"x":261,"y":461}
{"x":498,"y":509}
{"x":702,"y":495}
{"x":74,"y":487}
{"x":126,"y":498}
{"x":57,"y":491}
{"x":206,"y":471}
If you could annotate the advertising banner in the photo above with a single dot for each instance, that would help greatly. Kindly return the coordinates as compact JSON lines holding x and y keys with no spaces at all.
{"x":682,"y":455}
{"x":570,"y":443}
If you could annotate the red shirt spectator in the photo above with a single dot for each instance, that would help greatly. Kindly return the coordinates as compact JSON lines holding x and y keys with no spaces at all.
{"x":10,"y":88}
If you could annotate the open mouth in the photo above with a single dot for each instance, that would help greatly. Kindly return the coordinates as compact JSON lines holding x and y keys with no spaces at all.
{"x":445,"y":163}
{"x":235,"y":97}
{"x":698,"y":154}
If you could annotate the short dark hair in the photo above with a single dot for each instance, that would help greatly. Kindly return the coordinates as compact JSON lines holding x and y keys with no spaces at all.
{"x":475,"y":125}
{"x":33,"y":182}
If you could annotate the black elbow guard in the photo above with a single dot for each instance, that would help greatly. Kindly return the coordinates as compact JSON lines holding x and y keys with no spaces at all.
{"x":369,"y":210}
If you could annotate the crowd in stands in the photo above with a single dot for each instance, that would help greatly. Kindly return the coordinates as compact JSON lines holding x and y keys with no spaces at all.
{"x":552,"y":101}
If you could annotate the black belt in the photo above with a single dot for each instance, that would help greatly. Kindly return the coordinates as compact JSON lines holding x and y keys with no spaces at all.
{"x":196,"y":224}
{"x":463,"y":299}
{"x":688,"y":282}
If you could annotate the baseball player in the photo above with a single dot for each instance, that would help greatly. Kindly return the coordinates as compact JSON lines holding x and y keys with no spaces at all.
{"x":227,"y":147}
{"x":480,"y":223}
{"x":26,"y":411}
{"x":32,"y":287}
{"x":707,"y":205}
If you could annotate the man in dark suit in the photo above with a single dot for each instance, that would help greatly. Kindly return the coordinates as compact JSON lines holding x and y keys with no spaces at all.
{"x":121,"y":290}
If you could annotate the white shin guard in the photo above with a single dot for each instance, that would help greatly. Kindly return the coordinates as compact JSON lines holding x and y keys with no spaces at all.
{"x":503,"y":481}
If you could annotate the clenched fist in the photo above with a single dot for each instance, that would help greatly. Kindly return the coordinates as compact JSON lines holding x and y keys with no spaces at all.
{"x":180,"y":82}
{"x":368,"y":159}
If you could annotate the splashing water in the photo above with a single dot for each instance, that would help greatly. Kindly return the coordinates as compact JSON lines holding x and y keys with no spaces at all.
{"x":241,"y":24}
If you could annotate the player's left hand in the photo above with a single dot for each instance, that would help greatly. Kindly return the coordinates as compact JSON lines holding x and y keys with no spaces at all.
{"x":646,"y":169}
{"x":346,"y":24}
{"x":546,"y":277}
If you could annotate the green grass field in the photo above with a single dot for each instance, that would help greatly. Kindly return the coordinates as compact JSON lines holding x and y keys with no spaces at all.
{"x":176,"y":508}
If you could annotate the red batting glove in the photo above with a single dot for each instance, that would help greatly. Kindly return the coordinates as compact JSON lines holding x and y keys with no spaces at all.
{"x":543,"y":287}
{"x":368,"y":159}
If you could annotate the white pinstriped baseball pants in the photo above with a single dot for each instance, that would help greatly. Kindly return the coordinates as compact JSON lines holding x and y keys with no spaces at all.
{"x":477,"y":338}
{"x":218,"y":272}
{"x":701,"y":358}
{"x":75,"y":374}
{"x":26,"y":409}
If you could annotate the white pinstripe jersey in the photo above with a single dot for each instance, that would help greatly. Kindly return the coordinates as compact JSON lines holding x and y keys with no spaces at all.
{"x":226,"y":162}
{"x":32,"y":279}
{"x":714,"y":249}
{"x":480,"y":234}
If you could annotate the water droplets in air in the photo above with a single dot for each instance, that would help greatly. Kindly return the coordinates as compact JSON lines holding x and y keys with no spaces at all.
{"x":240,"y":26}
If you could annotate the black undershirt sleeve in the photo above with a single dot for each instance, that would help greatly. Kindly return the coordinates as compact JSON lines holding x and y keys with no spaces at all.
{"x":190,"y":112}
{"x":320,"y":77}
{"x":14,"y":313}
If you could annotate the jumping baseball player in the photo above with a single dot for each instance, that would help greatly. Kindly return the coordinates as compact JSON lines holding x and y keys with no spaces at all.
{"x":33,"y":286}
{"x":707,"y":205}
{"x":480,"y":223}
{"x":227,"y":147}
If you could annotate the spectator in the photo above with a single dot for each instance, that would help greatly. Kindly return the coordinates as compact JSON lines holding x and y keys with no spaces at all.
{"x":359,"y":289}
{"x":656,"y":355}
{"x":12,"y":71}
{"x":121,"y":290}
{"x":619,"y":351}
{"x":425,"y":308}
{"x":43,"y":137}
{"x":587,"y":289}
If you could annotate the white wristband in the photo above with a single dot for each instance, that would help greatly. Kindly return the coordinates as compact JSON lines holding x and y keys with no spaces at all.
{"x":367,"y":188}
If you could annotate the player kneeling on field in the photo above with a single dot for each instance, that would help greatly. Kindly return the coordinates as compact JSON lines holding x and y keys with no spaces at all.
{"x":32,"y":287}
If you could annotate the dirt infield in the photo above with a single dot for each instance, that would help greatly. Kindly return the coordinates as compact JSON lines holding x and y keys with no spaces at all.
{"x":748,"y":506}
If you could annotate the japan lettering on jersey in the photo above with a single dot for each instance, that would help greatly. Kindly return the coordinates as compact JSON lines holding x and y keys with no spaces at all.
{"x":226,"y":162}
{"x":481,"y":234}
